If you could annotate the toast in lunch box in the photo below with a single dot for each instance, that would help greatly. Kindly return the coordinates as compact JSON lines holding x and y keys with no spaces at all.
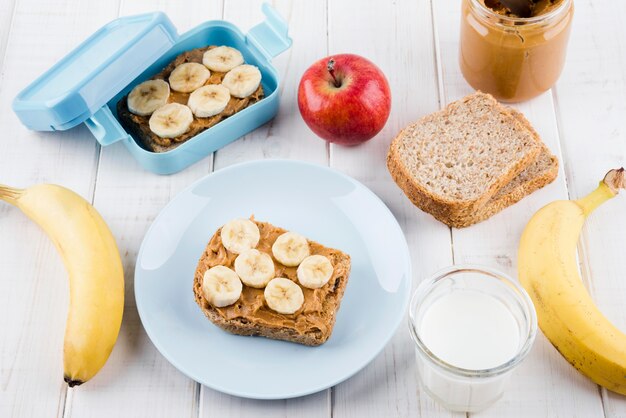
{"x":194,"y":92}
{"x":255,"y":278}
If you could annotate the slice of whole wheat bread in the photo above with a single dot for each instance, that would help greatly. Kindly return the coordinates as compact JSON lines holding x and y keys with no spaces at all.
{"x":450,"y":163}
{"x":541,"y":172}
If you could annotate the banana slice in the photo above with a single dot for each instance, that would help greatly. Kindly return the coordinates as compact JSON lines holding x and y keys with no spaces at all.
{"x":209,"y":100}
{"x":188,"y":77}
{"x":290,"y":249}
{"x":221,"y":286}
{"x":148,"y":96}
{"x":171,"y":120}
{"x":315,"y":271}
{"x":242,"y":80}
{"x":254,"y":268}
{"x":240,"y":235}
{"x":222,"y":59}
{"x":283,"y":296}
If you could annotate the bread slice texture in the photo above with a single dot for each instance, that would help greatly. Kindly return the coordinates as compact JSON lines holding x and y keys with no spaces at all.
{"x":452,"y":162}
{"x":312,"y":325}
{"x":541,"y":172}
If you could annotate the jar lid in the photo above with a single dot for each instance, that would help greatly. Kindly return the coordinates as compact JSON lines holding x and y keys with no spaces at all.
{"x":88,"y":77}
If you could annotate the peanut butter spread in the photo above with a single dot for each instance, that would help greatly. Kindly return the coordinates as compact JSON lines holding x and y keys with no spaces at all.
{"x":139,"y":124}
{"x":514,"y":60}
{"x":313,"y":316}
{"x":537,"y":8}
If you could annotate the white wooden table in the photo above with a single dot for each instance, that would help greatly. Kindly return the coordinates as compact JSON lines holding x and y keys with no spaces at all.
{"x":583,"y":121}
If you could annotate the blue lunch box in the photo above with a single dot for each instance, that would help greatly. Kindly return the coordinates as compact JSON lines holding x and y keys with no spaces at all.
{"x":85,"y":86}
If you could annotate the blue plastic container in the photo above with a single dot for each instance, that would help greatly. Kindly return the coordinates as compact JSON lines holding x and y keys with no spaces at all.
{"x":85,"y":86}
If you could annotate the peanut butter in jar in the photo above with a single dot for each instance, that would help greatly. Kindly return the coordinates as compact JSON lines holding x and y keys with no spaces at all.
{"x":514,"y":58}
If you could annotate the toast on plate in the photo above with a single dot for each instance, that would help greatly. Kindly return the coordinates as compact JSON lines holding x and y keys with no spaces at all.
{"x":313,"y":280}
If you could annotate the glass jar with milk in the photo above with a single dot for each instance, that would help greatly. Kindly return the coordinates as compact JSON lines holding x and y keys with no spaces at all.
{"x":471,"y":326}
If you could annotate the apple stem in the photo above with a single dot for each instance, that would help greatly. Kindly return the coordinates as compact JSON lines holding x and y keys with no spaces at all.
{"x":331,"y":69}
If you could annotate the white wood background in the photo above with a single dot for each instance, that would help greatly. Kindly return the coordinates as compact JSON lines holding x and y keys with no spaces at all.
{"x":583,"y":121}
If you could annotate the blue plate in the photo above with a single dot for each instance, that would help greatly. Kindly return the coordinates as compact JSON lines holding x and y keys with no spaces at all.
{"x":318,"y":202}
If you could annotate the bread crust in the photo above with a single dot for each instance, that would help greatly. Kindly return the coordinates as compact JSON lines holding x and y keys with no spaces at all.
{"x":498,"y":204}
{"x":248,"y":327}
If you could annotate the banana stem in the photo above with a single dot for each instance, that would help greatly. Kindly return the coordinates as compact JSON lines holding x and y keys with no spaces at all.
{"x":10,"y":194}
{"x":608,"y":188}
{"x":615,"y":179}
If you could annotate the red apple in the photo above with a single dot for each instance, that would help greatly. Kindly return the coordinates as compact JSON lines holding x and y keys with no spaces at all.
{"x":344,"y":99}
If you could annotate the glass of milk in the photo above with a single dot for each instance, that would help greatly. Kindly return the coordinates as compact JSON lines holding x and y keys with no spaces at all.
{"x":472,"y":326}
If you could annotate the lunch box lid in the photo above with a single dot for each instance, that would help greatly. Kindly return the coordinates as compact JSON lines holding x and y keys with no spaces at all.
{"x":92,"y":74}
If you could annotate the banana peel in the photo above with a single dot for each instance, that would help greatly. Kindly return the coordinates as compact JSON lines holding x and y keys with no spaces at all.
{"x":566,"y":313}
{"x":94,"y":267}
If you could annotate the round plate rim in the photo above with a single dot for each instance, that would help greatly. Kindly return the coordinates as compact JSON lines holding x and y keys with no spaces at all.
{"x":406,"y":287}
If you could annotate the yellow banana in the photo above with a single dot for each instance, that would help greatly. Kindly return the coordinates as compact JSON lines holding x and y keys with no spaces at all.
{"x":567,"y":315}
{"x":93,"y":262}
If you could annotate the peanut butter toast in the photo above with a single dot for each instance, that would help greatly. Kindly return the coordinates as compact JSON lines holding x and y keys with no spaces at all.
{"x":255,"y":311}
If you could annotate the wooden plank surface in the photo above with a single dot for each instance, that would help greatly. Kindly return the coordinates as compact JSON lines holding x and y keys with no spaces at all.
{"x":33,"y":284}
{"x":7,"y":7}
{"x":137,"y":380}
{"x":591,"y":107}
{"x":415,"y":44}
{"x":284,"y":137}
{"x":545,"y":375}
{"x":389,"y":385}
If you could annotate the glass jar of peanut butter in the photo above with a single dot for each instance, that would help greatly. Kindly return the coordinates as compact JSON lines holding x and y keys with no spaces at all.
{"x":511,"y":57}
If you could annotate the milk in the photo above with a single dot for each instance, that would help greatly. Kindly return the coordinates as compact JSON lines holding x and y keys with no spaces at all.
{"x":471,"y":327}
{"x":470,"y":330}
